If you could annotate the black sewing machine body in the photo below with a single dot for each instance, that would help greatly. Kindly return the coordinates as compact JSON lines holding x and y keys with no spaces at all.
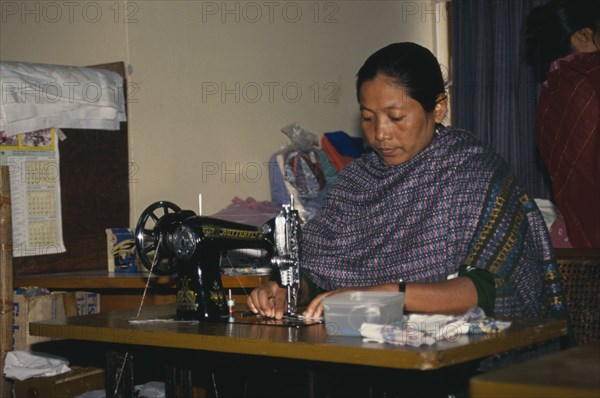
{"x":191,"y":246}
{"x":199,"y":242}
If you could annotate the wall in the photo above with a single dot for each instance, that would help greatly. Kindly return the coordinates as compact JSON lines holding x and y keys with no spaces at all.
{"x":212,"y":83}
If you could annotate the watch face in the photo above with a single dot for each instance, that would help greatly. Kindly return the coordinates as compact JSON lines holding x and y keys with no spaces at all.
{"x":184,"y":242}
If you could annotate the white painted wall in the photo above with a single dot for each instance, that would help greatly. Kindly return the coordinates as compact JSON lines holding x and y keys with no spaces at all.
{"x":212,"y":82}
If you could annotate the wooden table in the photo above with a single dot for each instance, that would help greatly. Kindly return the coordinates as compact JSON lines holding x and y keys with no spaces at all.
{"x":306,"y":343}
{"x":573,"y":373}
{"x":120,"y":291}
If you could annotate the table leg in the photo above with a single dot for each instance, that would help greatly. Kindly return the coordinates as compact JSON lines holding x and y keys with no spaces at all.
{"x":119,"y":375}
{"x":178,"y":381}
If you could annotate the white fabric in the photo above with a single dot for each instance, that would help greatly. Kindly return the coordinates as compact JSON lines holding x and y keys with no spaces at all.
{"x":427,"y":329}
{"x":153,"y":389}
{"x":38,"y":96}
{"x":419,"y":330}
{"x":22,"y":365}
{"x":548,"y":210}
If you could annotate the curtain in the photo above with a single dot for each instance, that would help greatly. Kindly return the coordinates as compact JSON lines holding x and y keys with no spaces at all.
{"x":494,"y":93}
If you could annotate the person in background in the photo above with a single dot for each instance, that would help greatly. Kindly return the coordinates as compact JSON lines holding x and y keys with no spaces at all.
{"x":562,"y":40}
{"x":430,"y":211}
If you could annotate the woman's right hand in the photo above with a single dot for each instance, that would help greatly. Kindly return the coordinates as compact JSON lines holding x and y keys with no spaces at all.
{"x":269,"y":300}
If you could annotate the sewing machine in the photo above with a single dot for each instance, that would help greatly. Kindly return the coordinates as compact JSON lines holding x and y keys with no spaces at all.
{"x":170,"y":240}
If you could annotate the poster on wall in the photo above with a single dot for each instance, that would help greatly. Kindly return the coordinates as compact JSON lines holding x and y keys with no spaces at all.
{"x":33,"y":161}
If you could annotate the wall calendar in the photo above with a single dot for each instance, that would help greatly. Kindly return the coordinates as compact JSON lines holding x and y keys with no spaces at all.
{"x":33,"y":161}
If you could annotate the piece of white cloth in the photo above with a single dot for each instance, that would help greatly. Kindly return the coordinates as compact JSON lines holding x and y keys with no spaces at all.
{"x":548,"y":210}
{"x":427,"y":329}
{"x":39,"y":96}
{"x":22,"y":365}
{"x":152,"y":389}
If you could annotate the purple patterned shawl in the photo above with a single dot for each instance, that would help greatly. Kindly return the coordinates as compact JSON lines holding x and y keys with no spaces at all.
{"x":455,"y":203}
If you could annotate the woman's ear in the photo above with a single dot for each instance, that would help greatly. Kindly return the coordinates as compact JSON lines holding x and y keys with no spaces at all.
{"x":440,"y":109}
{"x":583,"y":41}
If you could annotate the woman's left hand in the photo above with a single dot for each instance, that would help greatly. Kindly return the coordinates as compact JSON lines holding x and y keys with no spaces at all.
{"x":315,"y":307}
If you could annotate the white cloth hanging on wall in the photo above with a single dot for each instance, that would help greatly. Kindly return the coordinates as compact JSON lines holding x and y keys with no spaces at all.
{"x":38,"y":96}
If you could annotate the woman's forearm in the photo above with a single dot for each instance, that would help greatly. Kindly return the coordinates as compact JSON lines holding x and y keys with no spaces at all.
{"x":454,"y":296}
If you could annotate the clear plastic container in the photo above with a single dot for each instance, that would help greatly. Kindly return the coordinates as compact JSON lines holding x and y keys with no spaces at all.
{"x":345,"y":312}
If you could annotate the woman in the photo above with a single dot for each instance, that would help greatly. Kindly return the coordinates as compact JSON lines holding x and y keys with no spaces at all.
{"x":431,"y":211}
{"x":563,"y":43}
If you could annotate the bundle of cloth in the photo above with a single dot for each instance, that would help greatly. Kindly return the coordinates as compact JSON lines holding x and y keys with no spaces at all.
{"x":305,"y":170}
{"x":427,"y":329}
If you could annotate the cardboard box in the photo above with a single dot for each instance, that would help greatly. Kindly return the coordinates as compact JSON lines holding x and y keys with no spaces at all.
{"x":120,"y":250}
{"x":55,"y":305}
{"x":66,"y":385}
{"x":87,"y":302}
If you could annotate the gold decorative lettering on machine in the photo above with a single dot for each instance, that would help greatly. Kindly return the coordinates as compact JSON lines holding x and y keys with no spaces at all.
{"x":212,"y":231}
{"x":174,"y":241}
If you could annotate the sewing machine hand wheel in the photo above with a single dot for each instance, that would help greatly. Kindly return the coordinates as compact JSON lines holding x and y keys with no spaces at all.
{"x":153,"y":236}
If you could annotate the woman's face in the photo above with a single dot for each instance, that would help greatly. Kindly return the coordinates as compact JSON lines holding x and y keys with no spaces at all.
{"x":395,"y":125}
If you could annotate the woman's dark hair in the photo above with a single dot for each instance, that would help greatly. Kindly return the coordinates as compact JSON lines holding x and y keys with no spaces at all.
{"x":411,"y":66}
{"x":549,"y":27}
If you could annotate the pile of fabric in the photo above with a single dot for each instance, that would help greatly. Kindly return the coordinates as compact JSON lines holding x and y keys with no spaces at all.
{"x":425,"y":329}
{"x":305,"y":170}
